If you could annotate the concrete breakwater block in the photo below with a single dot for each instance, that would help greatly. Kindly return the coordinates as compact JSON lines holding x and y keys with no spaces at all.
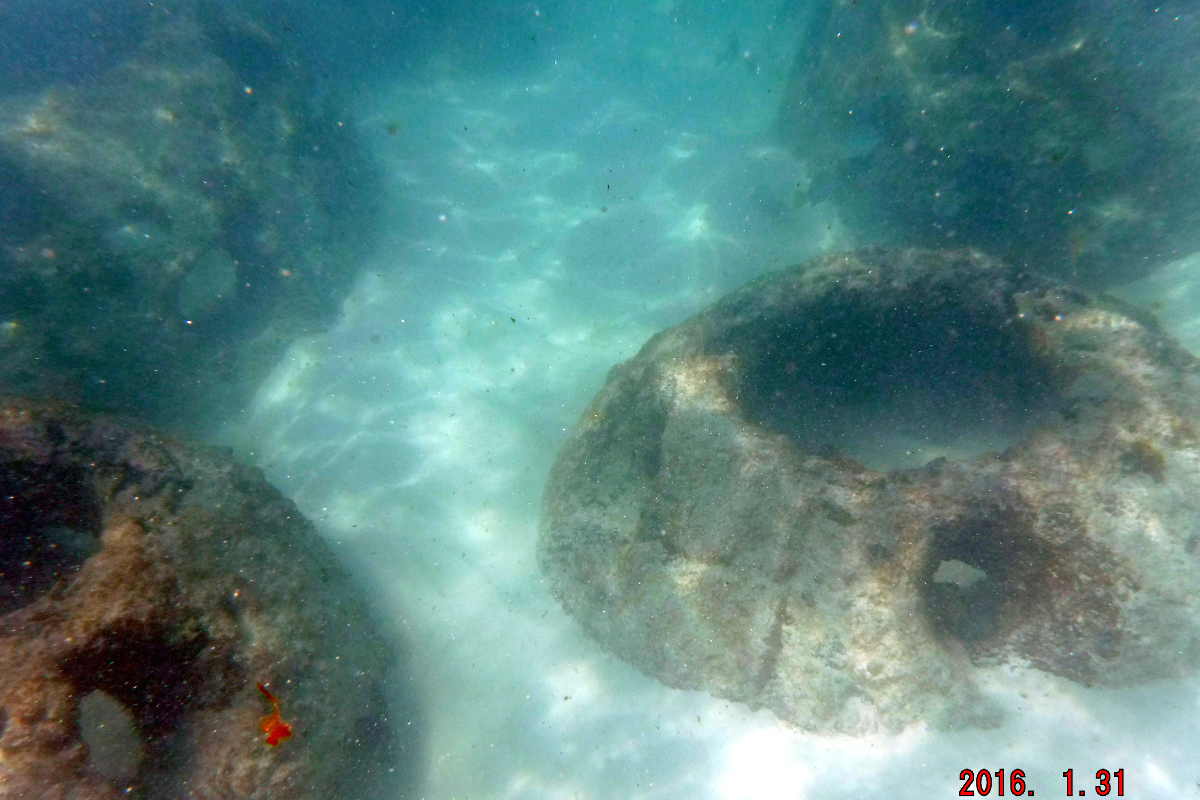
{"x":846,"y":487}
{"x":146,"y":586}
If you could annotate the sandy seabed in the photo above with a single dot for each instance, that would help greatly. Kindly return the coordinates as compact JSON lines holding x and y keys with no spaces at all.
{"x":542,"y":228}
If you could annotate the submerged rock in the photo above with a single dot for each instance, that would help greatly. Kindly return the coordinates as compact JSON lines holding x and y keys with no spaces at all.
{"x":146,"y":586}
{"x":846,"y":487}
{"x":175,"y":216}
{"x":1046,"y":132}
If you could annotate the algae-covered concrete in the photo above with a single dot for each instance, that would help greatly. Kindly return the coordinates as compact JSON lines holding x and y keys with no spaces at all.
{"x":846,"y":487}
{"x":1055,"y":134}
{"x":164,"y":581}
{"x":175,"y":211}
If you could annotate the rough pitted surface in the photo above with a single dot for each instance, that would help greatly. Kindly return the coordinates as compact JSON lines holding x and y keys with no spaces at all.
{"x":1033,"y":505}
{"x":178,"y":205}
{"x":1053,"y":132}
{"x":171,"y":580}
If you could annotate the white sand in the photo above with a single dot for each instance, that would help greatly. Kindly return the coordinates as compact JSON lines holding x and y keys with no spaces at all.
{"x":543,"y":226}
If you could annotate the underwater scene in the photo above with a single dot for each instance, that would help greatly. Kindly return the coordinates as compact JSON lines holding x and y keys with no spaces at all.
{"x":782,"y":400}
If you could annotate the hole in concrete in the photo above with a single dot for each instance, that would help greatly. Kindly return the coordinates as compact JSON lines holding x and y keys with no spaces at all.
{"x":49,"y":526}
{"x":151,"y":671}
{"x":978,"y":563}
{"x":115,"y":746}
{"x":963,"y":601}
{"x":959,"y":573}
{"x":895,"y":385}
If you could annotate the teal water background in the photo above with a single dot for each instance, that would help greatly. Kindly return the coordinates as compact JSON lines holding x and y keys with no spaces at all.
{"x":561,"y":181}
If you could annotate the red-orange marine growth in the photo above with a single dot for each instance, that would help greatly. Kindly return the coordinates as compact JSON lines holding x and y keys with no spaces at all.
{"x":272,"y":724}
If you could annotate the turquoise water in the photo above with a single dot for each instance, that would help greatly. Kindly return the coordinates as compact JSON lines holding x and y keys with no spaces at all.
{"x":557,"y":185}
{"x":561,"y":187}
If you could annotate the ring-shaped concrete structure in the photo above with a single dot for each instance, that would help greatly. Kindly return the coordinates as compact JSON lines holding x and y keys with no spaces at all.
{"x":846,"y":488}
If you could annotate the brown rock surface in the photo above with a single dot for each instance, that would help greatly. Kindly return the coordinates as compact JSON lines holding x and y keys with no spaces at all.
{"x":169,"y":579}
{"x":845,"y":487}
